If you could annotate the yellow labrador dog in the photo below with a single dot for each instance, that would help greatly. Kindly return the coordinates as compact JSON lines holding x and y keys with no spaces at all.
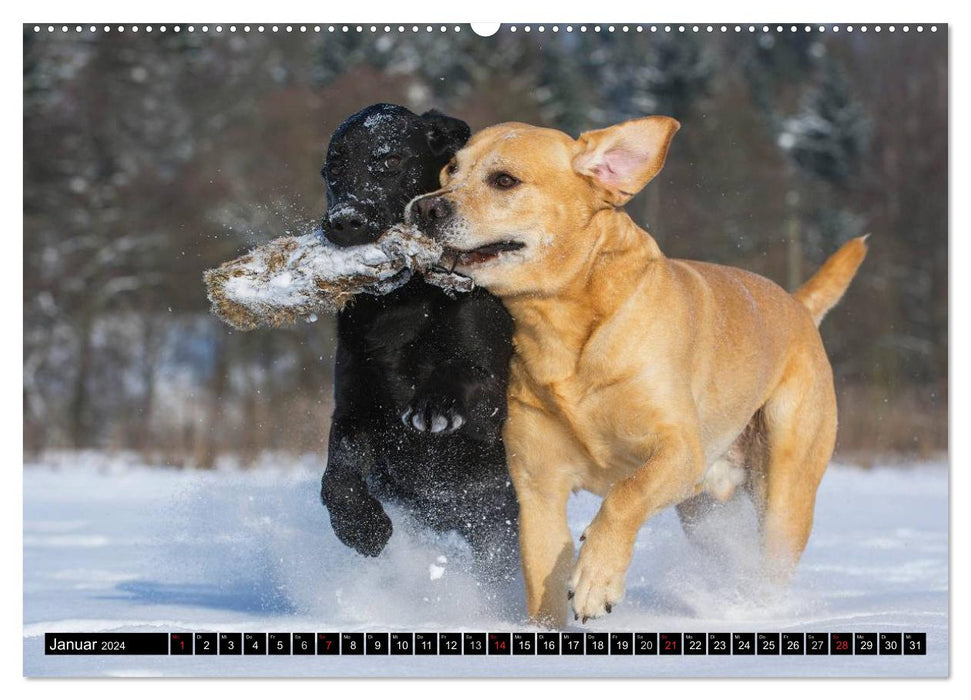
{"x":649,"y":381}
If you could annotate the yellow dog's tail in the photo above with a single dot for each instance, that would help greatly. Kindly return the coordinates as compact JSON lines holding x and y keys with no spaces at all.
{"x":824,"y":289}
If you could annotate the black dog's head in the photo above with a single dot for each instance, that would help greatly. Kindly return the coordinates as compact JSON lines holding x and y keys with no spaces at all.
{"x":379,"y":160}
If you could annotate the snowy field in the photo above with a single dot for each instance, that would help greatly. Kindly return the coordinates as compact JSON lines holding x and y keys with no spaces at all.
{"x":110,"y":546}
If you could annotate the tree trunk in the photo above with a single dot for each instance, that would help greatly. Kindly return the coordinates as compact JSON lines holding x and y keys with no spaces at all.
{"x":78,"y":408}
{"x":794,"y":253}
{"x":208,"y":446}
{"x":149,"y":362}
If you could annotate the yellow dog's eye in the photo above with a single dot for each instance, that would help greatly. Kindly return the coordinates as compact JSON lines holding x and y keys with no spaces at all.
{"x":504,"y":181}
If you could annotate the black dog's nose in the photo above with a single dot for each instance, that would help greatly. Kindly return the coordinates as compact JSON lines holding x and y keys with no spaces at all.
{"x":346,"y":219}
{"x":432,"y":209}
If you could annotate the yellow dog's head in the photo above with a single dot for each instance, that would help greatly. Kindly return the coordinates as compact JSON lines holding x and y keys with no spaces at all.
{"x":516,"y":203}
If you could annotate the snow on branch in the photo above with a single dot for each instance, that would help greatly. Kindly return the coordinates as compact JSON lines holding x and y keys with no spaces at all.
{"x":297,"y":277}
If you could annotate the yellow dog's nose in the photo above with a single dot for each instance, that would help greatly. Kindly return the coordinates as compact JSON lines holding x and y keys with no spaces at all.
{"x":431,"y":209}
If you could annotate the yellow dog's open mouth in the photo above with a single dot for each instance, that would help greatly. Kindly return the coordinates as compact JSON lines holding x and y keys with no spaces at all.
{"x":481,"y":254}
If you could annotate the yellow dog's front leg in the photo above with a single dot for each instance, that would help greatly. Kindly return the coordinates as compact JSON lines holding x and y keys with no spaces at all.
{"x":541,"y":474}
{"x":546,"y":548}
{"x":669,"y":475}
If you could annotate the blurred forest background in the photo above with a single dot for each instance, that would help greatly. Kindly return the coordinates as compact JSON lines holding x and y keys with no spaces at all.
{"x":149,"y":157}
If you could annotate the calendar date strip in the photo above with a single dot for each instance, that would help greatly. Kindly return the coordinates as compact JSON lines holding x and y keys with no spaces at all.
{"x":486,"y":643}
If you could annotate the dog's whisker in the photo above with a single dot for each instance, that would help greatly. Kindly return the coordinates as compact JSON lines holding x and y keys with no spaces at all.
{"x":408,"y":209}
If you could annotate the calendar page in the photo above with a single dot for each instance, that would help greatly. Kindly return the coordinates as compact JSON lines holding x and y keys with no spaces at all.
{"x":519,"y":350}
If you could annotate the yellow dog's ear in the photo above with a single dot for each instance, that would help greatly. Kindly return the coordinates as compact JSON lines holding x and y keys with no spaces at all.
{"x":623,"y":158}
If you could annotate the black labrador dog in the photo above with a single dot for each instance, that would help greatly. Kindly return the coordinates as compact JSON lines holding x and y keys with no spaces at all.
{"x":420,"y":376}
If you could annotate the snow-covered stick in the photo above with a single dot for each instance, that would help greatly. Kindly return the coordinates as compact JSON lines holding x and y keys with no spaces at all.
{"x":298,"y":277}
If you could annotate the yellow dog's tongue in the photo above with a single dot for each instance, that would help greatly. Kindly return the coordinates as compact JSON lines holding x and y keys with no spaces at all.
{"x":477,"y":256}
{"x":486,"y":252}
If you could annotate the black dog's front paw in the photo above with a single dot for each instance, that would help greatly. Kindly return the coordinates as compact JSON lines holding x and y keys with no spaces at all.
{"x":436,"y":412}
{"x":366,"y":531}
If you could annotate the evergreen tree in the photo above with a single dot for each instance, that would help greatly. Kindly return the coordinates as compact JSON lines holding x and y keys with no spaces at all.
{"x":825,"y":141}
{"x":560,"y":78}
{"x":628,"y":76}
{"x":773,"y":65}
{"x":829,"y":135}
{"x":441,"y":66}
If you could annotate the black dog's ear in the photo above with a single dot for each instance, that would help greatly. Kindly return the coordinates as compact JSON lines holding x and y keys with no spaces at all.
{"x":445,"y":134}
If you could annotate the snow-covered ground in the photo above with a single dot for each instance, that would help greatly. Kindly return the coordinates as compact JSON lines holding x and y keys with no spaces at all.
{"x":110,"y":546}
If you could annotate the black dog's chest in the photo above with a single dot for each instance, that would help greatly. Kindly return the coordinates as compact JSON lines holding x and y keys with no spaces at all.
{"x":397,"y":328}
{"x":396,"y":340}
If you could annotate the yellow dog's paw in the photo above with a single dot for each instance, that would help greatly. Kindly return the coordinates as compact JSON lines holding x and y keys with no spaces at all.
{"x":597,"y":583}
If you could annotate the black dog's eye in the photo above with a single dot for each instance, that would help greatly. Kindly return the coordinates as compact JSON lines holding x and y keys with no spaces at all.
{"x":392,"y":162}
{"x":504,"y":181}
{"x":333,"y":170}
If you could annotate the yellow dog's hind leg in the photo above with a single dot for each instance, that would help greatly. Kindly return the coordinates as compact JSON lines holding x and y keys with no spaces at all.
{"x":800,"y":423}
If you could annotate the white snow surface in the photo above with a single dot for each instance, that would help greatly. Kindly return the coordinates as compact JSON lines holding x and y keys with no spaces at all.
{"x":110,"y":545}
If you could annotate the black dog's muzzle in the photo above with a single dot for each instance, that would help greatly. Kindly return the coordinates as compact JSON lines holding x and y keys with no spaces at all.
{"x":347,"y":225}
